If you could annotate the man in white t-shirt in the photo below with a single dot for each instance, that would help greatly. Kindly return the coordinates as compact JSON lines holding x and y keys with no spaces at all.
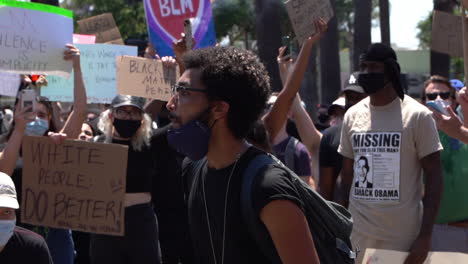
{"x":387,"y":141}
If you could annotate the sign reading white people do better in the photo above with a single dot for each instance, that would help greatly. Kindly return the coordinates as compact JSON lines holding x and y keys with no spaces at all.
{"x":75,"y":185}
{"x":33,"y":38}
{"x":303,"y":13}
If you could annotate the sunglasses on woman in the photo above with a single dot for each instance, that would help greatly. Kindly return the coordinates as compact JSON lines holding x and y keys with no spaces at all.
{"x":433,"y":96}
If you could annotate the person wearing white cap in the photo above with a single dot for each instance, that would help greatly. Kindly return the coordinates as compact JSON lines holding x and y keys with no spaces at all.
{"x":17,"y":245}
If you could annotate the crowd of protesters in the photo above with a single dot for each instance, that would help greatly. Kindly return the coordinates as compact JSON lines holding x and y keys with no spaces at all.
{"x":395,"y":162}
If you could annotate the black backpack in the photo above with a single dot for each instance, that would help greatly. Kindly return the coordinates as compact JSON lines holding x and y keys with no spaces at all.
{"x":330,"y":223}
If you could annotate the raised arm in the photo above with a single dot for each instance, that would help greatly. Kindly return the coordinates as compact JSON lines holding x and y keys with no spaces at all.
{"x":9,"y":155}
{"x":72,"y":126}
{"x":310,"y":135}
{"x":283,"y":64}
{"x":275,"y":119}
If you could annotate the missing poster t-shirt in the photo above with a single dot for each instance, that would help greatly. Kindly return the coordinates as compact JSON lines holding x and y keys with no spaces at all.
{"x":387,"y":144}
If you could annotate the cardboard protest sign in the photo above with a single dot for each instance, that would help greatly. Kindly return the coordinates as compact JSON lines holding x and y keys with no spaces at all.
{"x":447,"y":33}
{"x":465,"y":3}
{"x":76,"y":185}
{"x":103,"y":26}
{"x":33,"y":38}
{"x":165,"y":19}
{"x":303,"y":13}
{"x":10,"y":83}
{"x":382,"y":256}
{"x":145,"y":78}
{"x":99,"y":74}
{"x":84,"y":39}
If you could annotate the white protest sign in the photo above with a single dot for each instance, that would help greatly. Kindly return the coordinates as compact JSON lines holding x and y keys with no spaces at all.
{"x":99,"y":74}
{"x":382,"y":256}
{"x":303,"y":13}
{"x":145,"y":78}
{"x":33,"y":38}
{"x":9,"y":83}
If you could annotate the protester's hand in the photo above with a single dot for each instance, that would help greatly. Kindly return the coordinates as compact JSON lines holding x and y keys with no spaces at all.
{"x":25,"y":80}
{"x":72,"y":53}
{"x":463,"y":98}
{"x":320,"y":29}
{"x":169,"y":62}
{"x":41,"y":81}
{"x":180,"y":47}
{"x":57,"y":138}
{"x":419,"y":250}
{"x":450,"y":124}
{"x":281,"y":57}
{"x":150,"y":52}
{"x":23,"y":116}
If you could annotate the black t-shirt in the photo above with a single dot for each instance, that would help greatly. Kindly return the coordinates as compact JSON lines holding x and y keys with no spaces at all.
{"x":168,"y":186}
{"x":25,"y":247}
{"x":328,"y":152}
{"x":140,"y":168}
{"x":272,"y":184}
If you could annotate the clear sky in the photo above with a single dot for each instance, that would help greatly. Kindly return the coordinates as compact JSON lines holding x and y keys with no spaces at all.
{"x":404,"y":16}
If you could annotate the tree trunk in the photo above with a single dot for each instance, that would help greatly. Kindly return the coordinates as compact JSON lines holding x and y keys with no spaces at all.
{"x":330,"y":62}
{"x":268,"y":31}
{"x":384,"y":13}
{"x":362,"y":29}
{"x":309,"y":87}
{"x":440,"y":62}
{"x":47,"y":2}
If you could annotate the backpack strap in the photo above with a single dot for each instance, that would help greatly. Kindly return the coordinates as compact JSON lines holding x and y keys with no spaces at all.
{"x":256,"y":228}
{"x":289,"y":153}
{"x":192,"y":185}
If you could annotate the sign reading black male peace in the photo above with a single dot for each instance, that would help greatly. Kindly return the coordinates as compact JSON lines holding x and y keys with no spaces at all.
{"x":76,"y":185}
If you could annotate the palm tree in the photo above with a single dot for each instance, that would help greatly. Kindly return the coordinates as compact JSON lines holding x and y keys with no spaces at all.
{"x":268,"y":30}
{"x":384,"y":14}
{"x":309,"y":88}
{"x":362,"y":29}
{"x":330,"y":61}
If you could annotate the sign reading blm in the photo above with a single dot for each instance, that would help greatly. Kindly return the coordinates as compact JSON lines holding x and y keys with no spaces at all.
{"x":75,"y":185}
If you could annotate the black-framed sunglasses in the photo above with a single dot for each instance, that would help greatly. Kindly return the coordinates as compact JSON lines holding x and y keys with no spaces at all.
{"x":177,"y":88}
{"x":433,"y":96}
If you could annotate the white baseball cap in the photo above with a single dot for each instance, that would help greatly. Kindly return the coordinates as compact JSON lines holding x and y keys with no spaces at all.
{"x":7,"y":192}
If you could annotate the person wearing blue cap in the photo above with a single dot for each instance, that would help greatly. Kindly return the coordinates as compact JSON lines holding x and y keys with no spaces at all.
{"x":398,"y":138}
{"x":449,"y":233}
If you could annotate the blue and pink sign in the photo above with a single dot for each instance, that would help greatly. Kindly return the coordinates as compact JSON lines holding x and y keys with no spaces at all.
{"x":165,"y":20}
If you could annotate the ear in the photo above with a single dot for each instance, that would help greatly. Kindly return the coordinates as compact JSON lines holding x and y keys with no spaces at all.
{"x":220,"y":109}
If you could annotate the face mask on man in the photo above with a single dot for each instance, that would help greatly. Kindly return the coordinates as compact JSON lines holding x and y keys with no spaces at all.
{"x":38,"y":127}
{"x":126,"y":128}
{"x":371,"y":82}
{"x":191,"y":139}
{"x":6,"y":231}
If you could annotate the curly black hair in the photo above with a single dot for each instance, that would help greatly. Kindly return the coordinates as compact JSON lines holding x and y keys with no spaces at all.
{"x":237,"y":77}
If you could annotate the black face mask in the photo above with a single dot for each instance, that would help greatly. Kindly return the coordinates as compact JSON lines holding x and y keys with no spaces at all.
{"x":126,"y":128}
{"x":371,"y":82}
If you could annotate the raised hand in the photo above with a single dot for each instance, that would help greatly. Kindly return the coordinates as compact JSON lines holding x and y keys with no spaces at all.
{"x":321,"y":27}
{"x":72,"y":53}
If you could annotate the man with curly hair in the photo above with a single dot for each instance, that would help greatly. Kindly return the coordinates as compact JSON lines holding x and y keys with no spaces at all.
{"x":215,"y":103}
